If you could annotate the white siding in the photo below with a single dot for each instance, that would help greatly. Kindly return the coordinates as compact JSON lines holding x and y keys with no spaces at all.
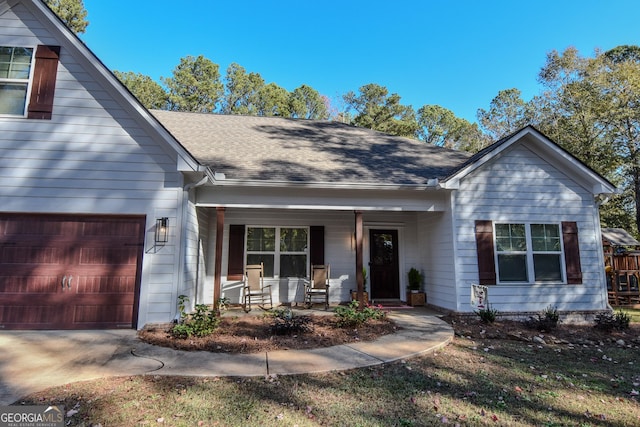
{"x":92,"y":157}
{"x":436,"y":240}
{"x":520,"y":186}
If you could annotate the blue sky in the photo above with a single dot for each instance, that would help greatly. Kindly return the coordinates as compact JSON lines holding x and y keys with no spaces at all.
{"x":457,"y":54}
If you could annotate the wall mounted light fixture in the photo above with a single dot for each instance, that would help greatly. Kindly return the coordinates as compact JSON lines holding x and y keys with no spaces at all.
{"x":162,"y":230}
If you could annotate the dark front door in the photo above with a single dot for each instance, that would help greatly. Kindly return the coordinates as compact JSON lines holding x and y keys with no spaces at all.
{"x":383,"y":265}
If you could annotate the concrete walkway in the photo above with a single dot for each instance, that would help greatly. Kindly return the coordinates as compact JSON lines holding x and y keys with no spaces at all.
{"x":34,"y":360}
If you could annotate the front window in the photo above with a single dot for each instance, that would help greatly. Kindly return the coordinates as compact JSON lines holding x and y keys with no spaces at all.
{"x":15,"y":69}
{"x":529,"y":252}
{"x":283,"y":250}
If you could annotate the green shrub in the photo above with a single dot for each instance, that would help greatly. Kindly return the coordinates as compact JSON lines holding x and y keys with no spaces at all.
{"x":286,"y":323}
{"x":610,"y":321}
{"x":351,"y":315}
{"x":202,"y":322}
{"x":545,"y":321}
{"x":487,"y":315}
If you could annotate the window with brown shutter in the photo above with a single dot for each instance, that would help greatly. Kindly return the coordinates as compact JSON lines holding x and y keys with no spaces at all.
{"x":486,"y":260}
{"x":316,"y":244}
{"x":287,"y":244}
{"x":571,"y":253}
{"x":44,"y":82}
{"x":235,"y":267}
{"x":528,"y":253}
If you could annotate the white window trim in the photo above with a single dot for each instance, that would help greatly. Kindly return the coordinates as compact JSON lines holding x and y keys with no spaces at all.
{"x":529,"y":255}
{"x":29,"y":82}
{"x":276,"y":254}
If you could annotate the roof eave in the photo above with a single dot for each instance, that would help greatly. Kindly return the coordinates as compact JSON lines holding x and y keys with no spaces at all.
{"x":221,"y":180}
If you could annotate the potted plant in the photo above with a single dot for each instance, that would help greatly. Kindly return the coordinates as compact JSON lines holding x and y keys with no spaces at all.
{"x":415,"y":297}
{"x":415,"y":280}
{"x":354,"y":294}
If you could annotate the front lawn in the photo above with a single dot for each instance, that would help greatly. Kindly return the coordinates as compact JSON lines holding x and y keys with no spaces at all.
{"x":484,"y":377}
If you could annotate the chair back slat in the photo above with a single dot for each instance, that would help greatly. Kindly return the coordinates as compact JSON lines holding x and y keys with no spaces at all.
{"x":254,"y":276}
{"x":319,"y":275}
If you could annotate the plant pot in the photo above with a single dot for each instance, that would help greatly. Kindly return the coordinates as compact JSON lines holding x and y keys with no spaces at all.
{"x":354,"y":296}
{"x":416,"y":298}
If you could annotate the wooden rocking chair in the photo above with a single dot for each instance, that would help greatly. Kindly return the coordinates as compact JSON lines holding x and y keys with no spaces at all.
{"x":254,"y":288}
{"x":318,"y":286}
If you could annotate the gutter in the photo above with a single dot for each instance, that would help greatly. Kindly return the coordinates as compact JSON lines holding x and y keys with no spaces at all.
{"x":220,"y":179}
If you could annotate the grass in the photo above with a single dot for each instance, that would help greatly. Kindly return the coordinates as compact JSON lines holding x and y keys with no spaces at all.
{"x":634,"y":313}
{"x":470,"y":382}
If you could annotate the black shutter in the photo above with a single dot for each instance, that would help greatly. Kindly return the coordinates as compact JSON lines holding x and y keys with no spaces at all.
{"x":486,"y":257}
{"x":316,"y":244}
{"x":571,"y":253}
{"x":44,"y":82}
{"x":235,"y":267}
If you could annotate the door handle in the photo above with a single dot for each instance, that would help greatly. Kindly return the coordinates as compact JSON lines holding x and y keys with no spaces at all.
{"x":64,"y":282}
{"x":69,"y":282}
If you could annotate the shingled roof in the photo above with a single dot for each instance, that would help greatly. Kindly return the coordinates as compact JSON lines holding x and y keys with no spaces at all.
{"x":249,"y":148}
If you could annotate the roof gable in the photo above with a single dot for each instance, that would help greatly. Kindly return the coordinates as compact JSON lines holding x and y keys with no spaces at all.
{"x":545,"y":148}
{"x":72,"y":45}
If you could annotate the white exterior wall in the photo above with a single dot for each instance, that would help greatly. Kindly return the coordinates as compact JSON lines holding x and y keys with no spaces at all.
{"x":91,"y":158}
{"x":519,"y":186}
{"x":436,"y":238}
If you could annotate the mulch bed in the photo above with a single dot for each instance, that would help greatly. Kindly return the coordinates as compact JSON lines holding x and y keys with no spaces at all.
{"x":254,"y":334}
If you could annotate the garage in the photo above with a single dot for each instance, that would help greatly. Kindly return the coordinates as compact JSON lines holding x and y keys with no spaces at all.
{"x":70,"y":271}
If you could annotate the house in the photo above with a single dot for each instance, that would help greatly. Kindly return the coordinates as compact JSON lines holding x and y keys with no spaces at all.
{"x":110,"y":212}
{"x":520,"y":217}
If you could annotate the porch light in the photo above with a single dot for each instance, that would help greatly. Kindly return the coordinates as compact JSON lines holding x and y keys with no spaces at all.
{"x":162,"y":230}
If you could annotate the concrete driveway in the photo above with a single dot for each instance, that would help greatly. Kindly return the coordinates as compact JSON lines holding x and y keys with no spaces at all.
{"x":34,"y":360}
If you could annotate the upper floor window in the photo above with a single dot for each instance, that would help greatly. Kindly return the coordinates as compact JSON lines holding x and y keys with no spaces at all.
{"x":529,"y":252}
{"x":283,"y":250}
{"x":15,"y":71}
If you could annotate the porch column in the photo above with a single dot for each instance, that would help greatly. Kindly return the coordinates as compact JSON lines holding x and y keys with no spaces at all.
{"x":359,"y":276}
{"x":217,"y":276}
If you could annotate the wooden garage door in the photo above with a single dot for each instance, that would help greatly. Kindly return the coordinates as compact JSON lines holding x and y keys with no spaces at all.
{"x":69,"y":272}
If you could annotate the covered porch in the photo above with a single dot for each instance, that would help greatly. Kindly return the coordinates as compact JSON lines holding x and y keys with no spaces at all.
{"x":368,"y":248}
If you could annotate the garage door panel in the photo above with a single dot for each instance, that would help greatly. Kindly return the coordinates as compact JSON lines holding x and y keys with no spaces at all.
{"x":31,"y":316}
{"x":109,"y":228}
{"x":30,"y":225}
{"x":31,"y":255}
{"x":109,"y":256}
{"x":105,"y":284}
{"x":97,"y":259}
{"x":115,"y":315}
{"x":30,"y":283}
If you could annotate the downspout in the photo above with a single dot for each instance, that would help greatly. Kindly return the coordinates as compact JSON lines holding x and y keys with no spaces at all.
{"x":183,"y":244}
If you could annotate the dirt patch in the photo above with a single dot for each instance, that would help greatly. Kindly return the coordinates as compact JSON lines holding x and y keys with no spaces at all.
{"x":581,"y":334}
{"x":253,"y":334}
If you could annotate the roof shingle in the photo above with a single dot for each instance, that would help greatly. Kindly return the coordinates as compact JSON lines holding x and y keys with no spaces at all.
{"x":293,"y":150}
